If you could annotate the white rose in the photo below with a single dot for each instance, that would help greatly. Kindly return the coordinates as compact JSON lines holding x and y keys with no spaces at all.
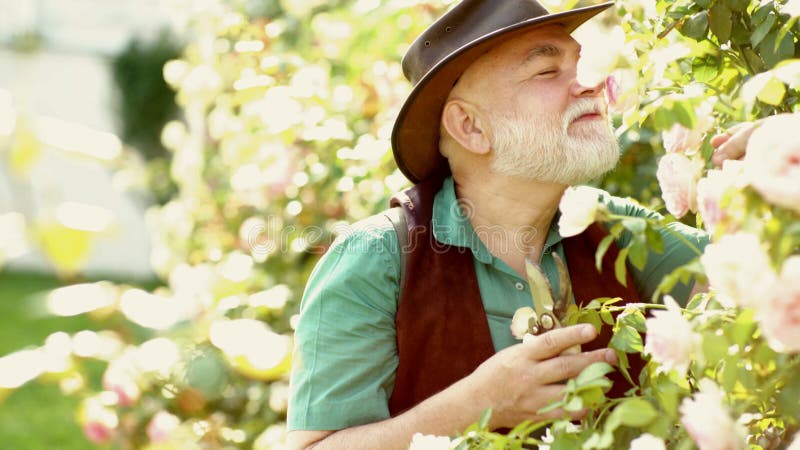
{"x":428,"y":442}
{"x":670,"y":339}
{"x":772,"y":161}
{"x":578,"y":208}
{"x":648,"y":442}
{"x":677,"y":175}
{"x":601,"y":49}
{"x":739,"y":270}
{"x":708,"y":422}
{"x":780,"y":316}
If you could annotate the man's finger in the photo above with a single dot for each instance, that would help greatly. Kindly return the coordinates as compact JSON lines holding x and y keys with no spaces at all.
{"x":734,"y":147}
{"x":559,"y":369}
{"x":719,"y":139}
{"x":552,"y":343}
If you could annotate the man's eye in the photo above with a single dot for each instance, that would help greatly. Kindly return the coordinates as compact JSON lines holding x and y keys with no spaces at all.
{"x":547,"y":72}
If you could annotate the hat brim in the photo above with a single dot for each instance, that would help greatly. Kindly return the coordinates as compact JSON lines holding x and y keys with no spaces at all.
{"x":415,"y":137}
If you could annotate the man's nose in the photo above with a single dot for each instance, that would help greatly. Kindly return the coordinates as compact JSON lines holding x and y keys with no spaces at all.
{"x":581,"y":90}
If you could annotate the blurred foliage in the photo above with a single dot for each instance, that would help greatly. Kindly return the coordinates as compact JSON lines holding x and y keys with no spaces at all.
{"x":146,"y":103}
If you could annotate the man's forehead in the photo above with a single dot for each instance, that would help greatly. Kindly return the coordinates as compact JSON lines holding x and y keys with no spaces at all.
{"x":546,"y":41}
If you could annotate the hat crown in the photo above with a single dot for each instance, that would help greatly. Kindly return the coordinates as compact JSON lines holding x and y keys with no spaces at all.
{"x":466,"y":22}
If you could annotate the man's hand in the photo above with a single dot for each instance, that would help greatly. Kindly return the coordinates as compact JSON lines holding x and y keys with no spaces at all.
{"x":520,"y":380}
{"x":516,"y":383}
{"x":733,"y":143}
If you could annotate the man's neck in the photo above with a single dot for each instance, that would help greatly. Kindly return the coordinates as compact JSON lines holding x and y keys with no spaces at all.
{"x":511,"y":216}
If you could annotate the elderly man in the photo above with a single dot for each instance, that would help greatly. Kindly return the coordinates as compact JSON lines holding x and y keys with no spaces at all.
{"x":496,"y":128}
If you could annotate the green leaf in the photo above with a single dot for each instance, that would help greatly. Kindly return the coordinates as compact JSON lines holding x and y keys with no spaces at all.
{"x":741,"y":332}
{"x":684,"y":112}
{"x":704,"y":69}
{"x":715,"y":347}
{"x":598,"y":441}
{"x":607,"y":317}
{"x":654,"y":240}
{"x":601,"y":250}
{"x":633,"y":412}
{"x":772,"y":93}
{"x":728,"y":374}
{"x":592,"y":372}
{"x":719,"y":17}
{"x":638,"y":252}
{"x":627,"y":339}
{"x":696,"y":26}
{"x":635,"y":225}
{"x":483,"y":423}
{"x":574,"y":404}
{"x":788,"y":403}
{"x":760,"y":14}
{"x":738,"y":5}
{"x":620,"y":270}
{"x":761,"y":31}
{"x":633,"y":318}
{"x":774,"y":50}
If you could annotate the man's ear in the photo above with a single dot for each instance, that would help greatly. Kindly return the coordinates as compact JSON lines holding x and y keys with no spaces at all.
{"x":462,"y":122}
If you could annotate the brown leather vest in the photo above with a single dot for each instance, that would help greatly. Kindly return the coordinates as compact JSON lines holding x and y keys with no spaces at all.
{"x":442,"y":330}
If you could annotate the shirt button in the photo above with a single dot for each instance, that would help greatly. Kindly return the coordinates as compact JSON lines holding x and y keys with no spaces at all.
{"x":519,"y":286}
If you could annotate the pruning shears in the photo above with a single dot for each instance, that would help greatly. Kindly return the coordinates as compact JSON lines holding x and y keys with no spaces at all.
{"x":549,"y":312}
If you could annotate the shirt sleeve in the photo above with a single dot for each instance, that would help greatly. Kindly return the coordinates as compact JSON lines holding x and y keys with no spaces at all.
{"x":677,"y":250}
{"x":345,"y":354}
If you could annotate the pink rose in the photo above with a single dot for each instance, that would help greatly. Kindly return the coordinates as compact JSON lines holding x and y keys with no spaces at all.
{"x":97,"y":432}
{"x":621,"y":92}
{"x":772,"y":161}
{"x":680,"y":139}
{"x":713,"y":187}
{"x":670,"y":339}
{"x":708,"y":421}
{"x":780,"y":315}
{"x":677,"y":175}
{"x":99,"y":421}
{"x":119,"y":380}
{"x":161,"y":426}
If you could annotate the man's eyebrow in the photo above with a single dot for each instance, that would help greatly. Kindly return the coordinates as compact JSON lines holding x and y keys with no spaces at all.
{"x":539,"y":51}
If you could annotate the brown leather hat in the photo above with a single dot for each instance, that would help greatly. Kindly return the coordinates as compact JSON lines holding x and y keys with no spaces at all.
{"x":439,"y":56}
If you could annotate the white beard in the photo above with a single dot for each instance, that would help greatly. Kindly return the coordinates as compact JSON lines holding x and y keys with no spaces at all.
{"x":541,"y":148}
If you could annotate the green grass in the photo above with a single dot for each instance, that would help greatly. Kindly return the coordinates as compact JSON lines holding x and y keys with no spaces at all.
{"x":37,"y":415}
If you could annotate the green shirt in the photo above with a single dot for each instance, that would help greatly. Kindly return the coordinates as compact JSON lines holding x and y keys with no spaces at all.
{"x":345,"y":349}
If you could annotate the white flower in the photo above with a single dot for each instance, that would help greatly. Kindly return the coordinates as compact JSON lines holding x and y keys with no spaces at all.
{"x":795,"y":445}
{"x":647,"y":442}
{"x":792,"y":7}
{"x":677,"y":175}
{"x":670,"y":338}
{"x":772,"y":161}
{"x":708,"y":422}
{"x":601,"y":49}
{"x":780,"y":315}
{"x":578,"y":208}
{"x":711,"y":189}
{"x":429,"y":442}
{"x":739,"y":270}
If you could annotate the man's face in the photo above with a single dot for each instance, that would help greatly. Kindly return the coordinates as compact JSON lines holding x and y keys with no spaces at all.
{"x":543,"y":124}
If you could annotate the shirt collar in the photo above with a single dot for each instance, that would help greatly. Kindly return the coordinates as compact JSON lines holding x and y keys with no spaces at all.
{"x":452,"y":227}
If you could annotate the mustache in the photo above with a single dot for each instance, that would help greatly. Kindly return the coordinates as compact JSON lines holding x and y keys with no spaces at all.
{"x":579,"y":108}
